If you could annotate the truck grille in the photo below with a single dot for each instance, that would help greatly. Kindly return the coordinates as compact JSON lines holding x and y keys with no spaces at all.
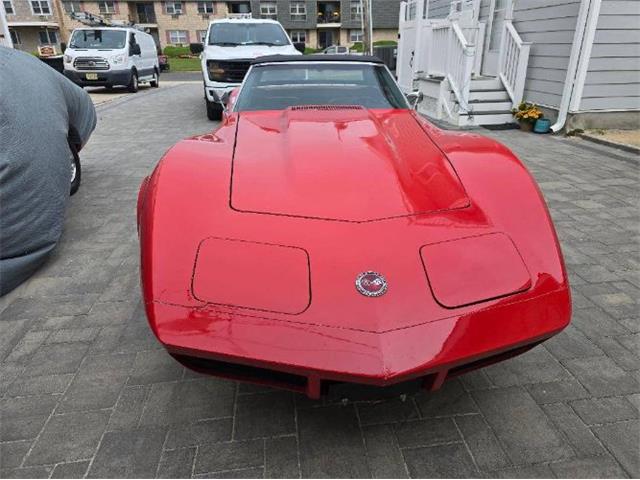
{"x":90,"y":63}
{"x":234,"y":70}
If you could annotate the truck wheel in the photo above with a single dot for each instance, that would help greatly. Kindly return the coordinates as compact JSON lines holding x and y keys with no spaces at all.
{"x":155,"y":82}
{"x":214,"y":111}
{"x":75,"y":174}
{"x":133,"y":83}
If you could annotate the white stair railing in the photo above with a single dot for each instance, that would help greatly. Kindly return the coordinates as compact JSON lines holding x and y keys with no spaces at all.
{"x":438,"y":49}
{"x":513,"y":62}
{"x":460,"y":61}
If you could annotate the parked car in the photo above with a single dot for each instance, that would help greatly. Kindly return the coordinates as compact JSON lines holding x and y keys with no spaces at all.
{"x":336,"y":50}
{"x":327,"y":234}
{"x":230,"y":45}
{"x":112,"y":56}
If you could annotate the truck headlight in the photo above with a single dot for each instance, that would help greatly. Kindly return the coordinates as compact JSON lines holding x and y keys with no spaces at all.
{"x":215,"y":71}
{"x":117,"y":59}
{"x":67,"y":59}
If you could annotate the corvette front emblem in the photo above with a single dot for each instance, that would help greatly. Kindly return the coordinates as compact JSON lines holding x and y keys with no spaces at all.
{"x":371,"y":284}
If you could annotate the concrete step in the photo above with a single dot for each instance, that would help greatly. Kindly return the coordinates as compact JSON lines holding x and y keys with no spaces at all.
{"x":494,"y":95}
{"x":489,"y":106}
{"x":485,"y":118}
{"x":483,"y":85}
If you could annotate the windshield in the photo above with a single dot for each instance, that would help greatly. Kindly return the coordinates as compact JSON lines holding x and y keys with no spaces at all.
{"x":284,"y":85}
{"x":233,"y":34}
{"x":102,"y":39}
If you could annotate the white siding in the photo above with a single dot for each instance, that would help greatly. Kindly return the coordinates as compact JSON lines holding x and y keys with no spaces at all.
{"x":551,"y":26}
{"x":439,"y":8}
{"x":613,"y":75}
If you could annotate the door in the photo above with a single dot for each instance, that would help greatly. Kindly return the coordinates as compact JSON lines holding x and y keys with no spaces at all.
{"x":493,"y":39}
{"x":325,"y":39}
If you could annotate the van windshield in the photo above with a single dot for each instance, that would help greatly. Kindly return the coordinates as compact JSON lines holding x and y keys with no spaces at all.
{"x":234,"y":34}
{"x":98,"y":39}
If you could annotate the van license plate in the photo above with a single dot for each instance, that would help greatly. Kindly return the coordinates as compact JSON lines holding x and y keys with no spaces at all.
{"x":92,"y":76}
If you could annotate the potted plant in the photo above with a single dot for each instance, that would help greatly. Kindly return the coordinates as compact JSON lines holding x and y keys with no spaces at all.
{"x":526,"y":114}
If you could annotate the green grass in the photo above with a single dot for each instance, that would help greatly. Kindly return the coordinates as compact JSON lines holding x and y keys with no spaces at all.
{"x":184,"y":64}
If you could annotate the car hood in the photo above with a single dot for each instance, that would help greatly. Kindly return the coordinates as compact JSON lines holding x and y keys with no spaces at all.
{"x":340,"y":163}
{"x":214,"y":52}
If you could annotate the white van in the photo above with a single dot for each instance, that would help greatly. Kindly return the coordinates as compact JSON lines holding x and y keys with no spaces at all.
{"x":229,"y":47}
{"x":111,"y":56}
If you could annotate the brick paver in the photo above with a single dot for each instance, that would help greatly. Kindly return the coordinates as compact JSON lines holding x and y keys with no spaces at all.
{"x":86,"y":391}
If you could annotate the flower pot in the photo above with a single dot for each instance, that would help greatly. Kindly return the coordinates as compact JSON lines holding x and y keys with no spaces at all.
{"x":526,"y":126}
{"x":542,"y":125}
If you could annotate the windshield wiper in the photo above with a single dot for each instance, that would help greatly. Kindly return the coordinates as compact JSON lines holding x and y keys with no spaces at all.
{"x":271,"y":44}
{"x":225,"y":44}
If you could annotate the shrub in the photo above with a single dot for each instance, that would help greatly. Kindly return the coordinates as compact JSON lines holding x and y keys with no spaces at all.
{"x":385,"y":43}
{"x":173,"y":51}
{"x":309,"y":51}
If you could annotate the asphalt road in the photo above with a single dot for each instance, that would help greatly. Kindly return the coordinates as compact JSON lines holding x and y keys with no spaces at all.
{"x":86,"y":391}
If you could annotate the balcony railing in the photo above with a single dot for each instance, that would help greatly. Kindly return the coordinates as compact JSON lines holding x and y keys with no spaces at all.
{"x":147,"y":18}
{"x":328,"y":17}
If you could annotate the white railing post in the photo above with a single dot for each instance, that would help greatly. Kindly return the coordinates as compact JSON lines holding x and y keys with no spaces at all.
{"x":521,"y":73}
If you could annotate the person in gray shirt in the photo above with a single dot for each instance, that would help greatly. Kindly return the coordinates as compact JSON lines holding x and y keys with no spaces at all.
{"x":42,"y":116}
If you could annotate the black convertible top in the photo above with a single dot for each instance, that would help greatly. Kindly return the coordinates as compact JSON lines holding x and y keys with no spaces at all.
{"x":316,"y":58}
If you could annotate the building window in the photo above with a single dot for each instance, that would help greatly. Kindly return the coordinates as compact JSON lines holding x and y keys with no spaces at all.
{"x":298,"y":11}
{"x":15,"y":37}
{"x":178,"y":37}
{"x":173,"y":8}
{"x":48,"y":37}
{"x":107,"y":7}
{"x":299,"y":36}
{"x":202,"y":35}
{"x":356,"y":11}
{"x":206,"y":8}
{"x":8,"y":8}
{"x":40,"y":7}
{"x":355,"y":36}
{"x":71,"y":7}
{"x":268,"y":10}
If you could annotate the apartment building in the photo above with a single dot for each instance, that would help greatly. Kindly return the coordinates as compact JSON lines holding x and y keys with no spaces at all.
{"x":322,"y":23}
{"x":317,"y":23}
{"x":33,"y":23}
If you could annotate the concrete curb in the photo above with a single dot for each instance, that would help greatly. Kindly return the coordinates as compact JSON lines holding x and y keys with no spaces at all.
{"x":609,"y":143}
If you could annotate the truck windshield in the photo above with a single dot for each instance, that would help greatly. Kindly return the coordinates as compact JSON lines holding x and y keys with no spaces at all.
{"x":98,"y":39}
{"x":229,"y":34}
{"x":279,"y":86}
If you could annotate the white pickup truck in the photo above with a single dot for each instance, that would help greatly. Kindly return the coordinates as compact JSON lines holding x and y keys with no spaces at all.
{"x":229,"y":47}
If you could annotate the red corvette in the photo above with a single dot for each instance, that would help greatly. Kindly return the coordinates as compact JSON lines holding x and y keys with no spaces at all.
{"x":326,"y":234}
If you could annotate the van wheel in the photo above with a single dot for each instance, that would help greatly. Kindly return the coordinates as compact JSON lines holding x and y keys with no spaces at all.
{"x":155,"y":81}
{"x":75,"y":174}
{"x":214,"y":111}
{"x":133,"y":83}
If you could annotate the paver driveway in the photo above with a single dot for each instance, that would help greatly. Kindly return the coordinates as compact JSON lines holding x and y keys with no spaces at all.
{"x":87,"y":391}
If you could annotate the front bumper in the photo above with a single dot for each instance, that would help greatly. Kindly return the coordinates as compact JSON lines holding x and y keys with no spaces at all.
{"x":106,"y":78}
{"x":214,"y":90}
{"x":311,"y":358}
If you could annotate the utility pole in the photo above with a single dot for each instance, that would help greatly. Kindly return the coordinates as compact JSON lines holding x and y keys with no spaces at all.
{"x":6,"y":35}
{"x":367,"y":27}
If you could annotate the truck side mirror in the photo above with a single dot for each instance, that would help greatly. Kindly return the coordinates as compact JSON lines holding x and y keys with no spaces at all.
{"x":300,"y":46}
{"x":196,"y":48}
{"x":414,"y":98}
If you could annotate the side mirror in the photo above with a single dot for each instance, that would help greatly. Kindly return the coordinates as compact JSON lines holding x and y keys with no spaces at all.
{"x":196,"y":48}
{"x":224,"y":99}
{"x":414,"y":98}
{"x":300,"y":46}
{"x":134,"y":49}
